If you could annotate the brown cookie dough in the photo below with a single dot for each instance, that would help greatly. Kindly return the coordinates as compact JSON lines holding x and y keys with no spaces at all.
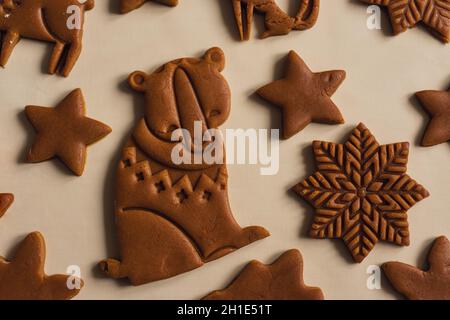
{"x":361,"y":192}
{"x":304,"y":96}
{"x":415,"y":284}
{"x":281,"y":280}
{"x":23,"y":277}
{"x":44,"y":20}
{"x":6,"y":200}
{"x":172,"y":218}
{"x":437,"y":105}
{"x":277,"y":22}
{"x":130,"y":5}
{"x":64,"y":132}
{"x":405,"y":14}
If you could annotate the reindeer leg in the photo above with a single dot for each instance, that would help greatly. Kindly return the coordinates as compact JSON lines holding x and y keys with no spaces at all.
{"x":250,"y":11}
{"x":72,"y":57}
{"x":58,"y":50}
{"x":311,"y":9}
{"x":10,"y":40}
{"x":237,"y":7}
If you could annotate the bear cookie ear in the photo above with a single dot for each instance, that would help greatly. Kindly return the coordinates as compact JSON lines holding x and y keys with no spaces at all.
{"x":137,"y":80}
{"x":216,"y":57}
{"x":88,"y":4}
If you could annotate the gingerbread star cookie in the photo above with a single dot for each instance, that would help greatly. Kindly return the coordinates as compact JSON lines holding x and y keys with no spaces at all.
{"x":361,"y":192}
{"x":405,"y":14}
{"x":437,"y":105}
{"x":416,"y":284}
{"x":304,"y":96}
{"x":64,"y":132}
{"x":6,"y":200}
{"x":24,"y":278}
{"x":130,"y":5}
{"x":281,"y":280}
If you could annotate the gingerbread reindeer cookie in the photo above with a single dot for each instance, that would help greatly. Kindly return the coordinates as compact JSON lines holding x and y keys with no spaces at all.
{"x":277,"y":22}
{"x":56,"y":21}
{"x":130,"y":5}
{"x":172,"y":218}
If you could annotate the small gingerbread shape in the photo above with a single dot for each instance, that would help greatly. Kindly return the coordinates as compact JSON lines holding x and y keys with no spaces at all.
{"x":416,"y":284}
{"x":23,"y":278}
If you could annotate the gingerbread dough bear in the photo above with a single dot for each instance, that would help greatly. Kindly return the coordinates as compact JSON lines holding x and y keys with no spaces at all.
{"x":172,"y":218}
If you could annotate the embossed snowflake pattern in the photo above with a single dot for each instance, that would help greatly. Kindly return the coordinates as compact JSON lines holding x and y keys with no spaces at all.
{"x":361,"y":192}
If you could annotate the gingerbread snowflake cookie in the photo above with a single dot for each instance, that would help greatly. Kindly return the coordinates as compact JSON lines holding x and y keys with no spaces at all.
{"x":361,"y":192}
{"x":172,"y":218}
{"x":405,"y":14}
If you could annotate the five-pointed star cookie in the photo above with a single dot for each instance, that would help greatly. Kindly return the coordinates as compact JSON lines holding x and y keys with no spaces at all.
{"x":6,"y":200}
{"x":281,"y":280}
{"x":361,"y":192}
{"x":304,"y":96}
{"x":130,"y":5}
{"x":437,"y":105}
{"x":64,"y":132}
{"x":405,"y":14}
{"x":24,"y":278}
{"x":416,"y":284}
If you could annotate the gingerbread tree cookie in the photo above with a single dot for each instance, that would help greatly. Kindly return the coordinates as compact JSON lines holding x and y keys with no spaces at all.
{"x":415,"y":284}
{"x":56,"y":21}
{"x":23,"y":277}
{"x":361,"y":192}
{"x":172,"y":218}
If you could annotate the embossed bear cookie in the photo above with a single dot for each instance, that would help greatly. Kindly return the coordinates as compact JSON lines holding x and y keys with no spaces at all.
{"x":62,"y":24}
{"x":130,"y":5}
{"x":277,"y":22}
{"x":172,"y":218}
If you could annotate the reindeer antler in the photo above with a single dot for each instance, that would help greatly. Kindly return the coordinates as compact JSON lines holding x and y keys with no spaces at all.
{"x":237,"y":7}
{"x":277,"y":21}
{"x":307,"y":15}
